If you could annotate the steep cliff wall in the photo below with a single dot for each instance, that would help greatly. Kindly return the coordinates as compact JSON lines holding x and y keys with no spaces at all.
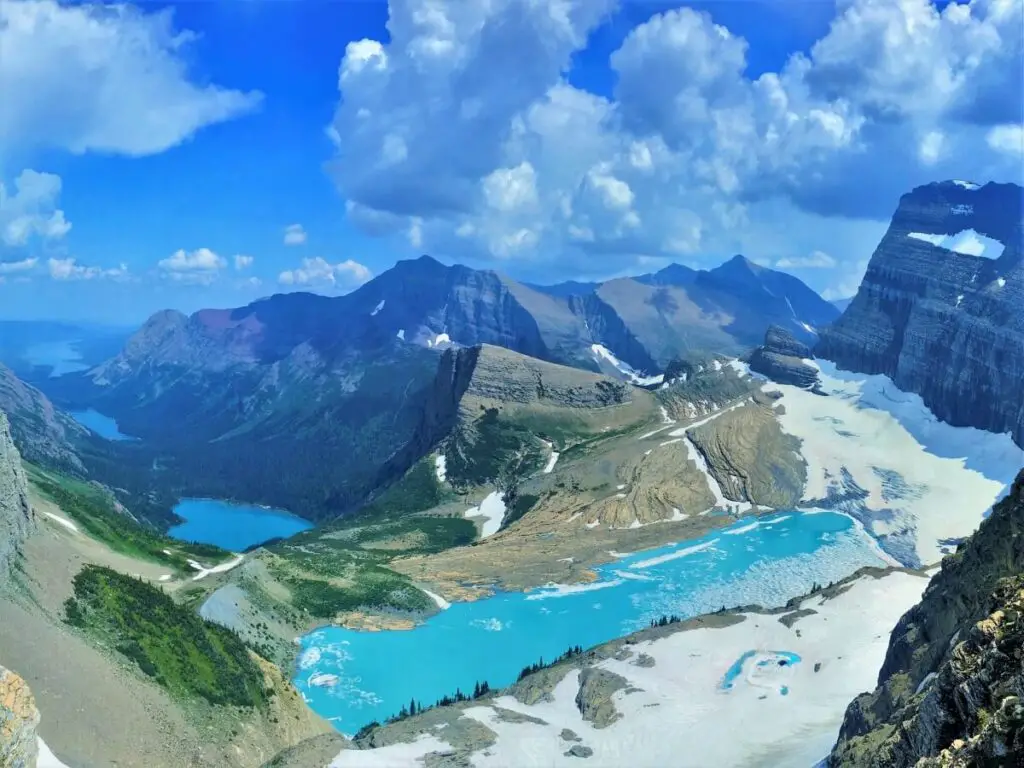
{"x":939,"y":312}
{"x":16,"y":516}
{"x":952,"y":683}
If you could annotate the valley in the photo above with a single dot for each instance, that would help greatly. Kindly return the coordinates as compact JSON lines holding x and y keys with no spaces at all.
{"x":486,"y":524}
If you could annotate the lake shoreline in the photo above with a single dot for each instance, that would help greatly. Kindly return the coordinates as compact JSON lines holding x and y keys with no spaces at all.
{"x":333,"y":666}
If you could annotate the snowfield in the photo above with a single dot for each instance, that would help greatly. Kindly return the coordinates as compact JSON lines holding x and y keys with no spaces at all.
{"x":878,"y":454}
{"x":492,"y":510}
{"x":683,"y":714}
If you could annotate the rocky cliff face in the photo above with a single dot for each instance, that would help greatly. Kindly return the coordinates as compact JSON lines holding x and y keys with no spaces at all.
{"x":16,"y":516}
{"x":781,"y":358}
{"x":45,"y":435}
{"x":941,"y":307}
{"x":19,"y":718}
{"x":951,"y":688}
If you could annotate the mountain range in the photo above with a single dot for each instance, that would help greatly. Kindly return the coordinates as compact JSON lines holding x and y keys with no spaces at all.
{"x":231,"y":402}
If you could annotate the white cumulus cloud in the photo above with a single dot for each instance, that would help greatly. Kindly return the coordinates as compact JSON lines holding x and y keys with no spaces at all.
{"x":199,"y":267}
{"x":15,"y":267}
{"x":242,"y":261}
{"x":689,"y":157}
{"x":31,"y":209}
{"x":69,"y":269}
{"x":294,"y":234}
{"x":109,"y":78}
{"x":815,"y":260}
{"x":317,"y":272}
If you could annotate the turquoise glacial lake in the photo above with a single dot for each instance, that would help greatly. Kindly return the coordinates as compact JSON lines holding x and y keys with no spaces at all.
{"x":351,"y":677}
{"x":233,"y":526}
{"x":104,"y":426}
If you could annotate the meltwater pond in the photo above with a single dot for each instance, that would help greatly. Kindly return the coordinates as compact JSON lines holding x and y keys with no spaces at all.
{"x":233,"y":526}
{"x":352,"y":677}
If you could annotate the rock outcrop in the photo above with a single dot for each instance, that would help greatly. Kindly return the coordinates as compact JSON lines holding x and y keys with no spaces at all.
{"x":940,"y":313}
{"x":19,"y":718}
{"x":951,"y":688}
{"x":781,"y":358}
{"x":16,"y":516}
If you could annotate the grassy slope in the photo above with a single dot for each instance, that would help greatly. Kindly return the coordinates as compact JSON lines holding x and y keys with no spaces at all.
{"x":343,"y":565}
{"x":180,"y":651}
{"x":93,"y":509}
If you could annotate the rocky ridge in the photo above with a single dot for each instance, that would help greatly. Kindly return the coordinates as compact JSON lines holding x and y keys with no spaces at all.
{"x":781,"y":358}
{"x":951,"y":687}
{"x":940,"y":310}
{"x":16,"y":516}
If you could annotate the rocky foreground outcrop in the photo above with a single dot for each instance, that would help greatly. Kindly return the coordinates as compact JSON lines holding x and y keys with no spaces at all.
{"x":781,"y":358}
{"x":951,"y":689}
{"x":19,"y":718}
{"x":945,"y":317}
{"x":16,"y":516}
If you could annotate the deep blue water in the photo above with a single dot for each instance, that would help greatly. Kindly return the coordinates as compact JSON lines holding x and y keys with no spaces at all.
{"x":233,"y":526}
{"x":352,"y":677}
{"x":104,"y":426}
{"x":59,"y":355}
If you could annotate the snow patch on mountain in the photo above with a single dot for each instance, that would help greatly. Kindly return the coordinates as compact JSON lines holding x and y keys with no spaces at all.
{"x":967,"y":242}
{"x":601,"y":352}
{"x":492,"y":512}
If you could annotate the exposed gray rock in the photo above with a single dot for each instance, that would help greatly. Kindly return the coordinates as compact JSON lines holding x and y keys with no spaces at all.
{"x":568,"y":734}
{"x":578,"y":750}
{"x":781,"y":359}
{"x":16,"y":516}
{"x":948,"y":326}
{"x":594,"y":698}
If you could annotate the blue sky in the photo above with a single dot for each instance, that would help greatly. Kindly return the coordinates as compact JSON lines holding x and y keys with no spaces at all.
{"x":242,"y":151}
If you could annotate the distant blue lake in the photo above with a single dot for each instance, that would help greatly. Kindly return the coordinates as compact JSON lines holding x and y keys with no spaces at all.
{"x":352,"y":677}
{"x":61,"y":356}
{"x":104,"y":426}
{"x":233,"y":526}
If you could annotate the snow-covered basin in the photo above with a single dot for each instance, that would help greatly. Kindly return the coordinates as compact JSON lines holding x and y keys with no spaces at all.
{"x":709,"y":697}
{"x":767,"y":563}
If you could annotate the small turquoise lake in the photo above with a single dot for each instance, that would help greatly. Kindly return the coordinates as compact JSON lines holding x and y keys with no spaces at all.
{"x":351,"y":677}
{"x":104,"y":426}
{"x":234,"y":527}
